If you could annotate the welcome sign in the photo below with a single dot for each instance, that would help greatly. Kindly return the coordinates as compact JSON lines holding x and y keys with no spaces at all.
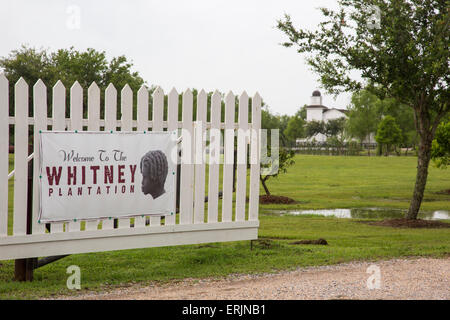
{"x":95,"y":175}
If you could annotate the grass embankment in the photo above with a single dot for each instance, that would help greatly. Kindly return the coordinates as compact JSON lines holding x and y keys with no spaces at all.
{"x":316,"y":182}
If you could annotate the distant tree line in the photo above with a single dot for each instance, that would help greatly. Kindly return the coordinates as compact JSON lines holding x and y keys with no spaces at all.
{"x":370,"y":120}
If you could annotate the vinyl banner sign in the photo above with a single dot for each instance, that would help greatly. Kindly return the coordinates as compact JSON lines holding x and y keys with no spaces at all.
{"x":94,"y":175}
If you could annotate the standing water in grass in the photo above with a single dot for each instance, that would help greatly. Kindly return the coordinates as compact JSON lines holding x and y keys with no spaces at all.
{"x":363,"y":213}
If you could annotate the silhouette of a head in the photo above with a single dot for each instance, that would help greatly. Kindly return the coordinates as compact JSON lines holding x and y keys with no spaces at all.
{"x":154,"y":168}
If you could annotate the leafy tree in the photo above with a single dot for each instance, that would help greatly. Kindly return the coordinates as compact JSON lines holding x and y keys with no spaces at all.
{"x":302,"y":112}
{"x":286,"y":159}
{"x":284,"y":120}
{"x":404,"y":117}
{"x":405,"y":58}
{"x":314,"y":127}
{"x":362,"y":118}
{"x":334,"y":127}
{"x":367,"y":110}
{"x":68,"y":65}
{"x":440,"y":152}
{"x":296,"y":126}
{"x":270,"y":121}
{"x":388,"y":133}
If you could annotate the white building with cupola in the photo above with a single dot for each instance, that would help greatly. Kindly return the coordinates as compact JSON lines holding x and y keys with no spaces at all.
{"x":317,"y":111}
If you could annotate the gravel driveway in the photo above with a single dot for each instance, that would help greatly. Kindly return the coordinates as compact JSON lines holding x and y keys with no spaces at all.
{"x":421,"y":278}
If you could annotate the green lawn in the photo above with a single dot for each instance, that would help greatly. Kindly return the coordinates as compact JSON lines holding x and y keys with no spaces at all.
{"x":327,"y":182}
{"x":316,"y":182}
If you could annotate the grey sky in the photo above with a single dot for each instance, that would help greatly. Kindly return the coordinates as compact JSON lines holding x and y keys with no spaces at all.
{"x":210,"y":44}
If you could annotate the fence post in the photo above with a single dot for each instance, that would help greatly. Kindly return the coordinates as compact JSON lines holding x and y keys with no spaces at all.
{"x":24,"y":267}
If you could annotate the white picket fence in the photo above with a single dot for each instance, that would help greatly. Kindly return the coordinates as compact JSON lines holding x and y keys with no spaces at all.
{"x":193,"y":225}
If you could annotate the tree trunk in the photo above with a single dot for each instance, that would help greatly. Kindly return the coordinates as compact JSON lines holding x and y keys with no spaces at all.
{"x":263,"y":182}
{"x":379,"y":149}
{"x":423,"y":160}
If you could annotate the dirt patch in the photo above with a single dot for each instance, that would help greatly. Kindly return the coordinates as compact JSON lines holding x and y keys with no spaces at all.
{"x":320,"y":241}
{"x":406,"y":223}
{"x":261,"y":244}
{"x":207,"y":245}
{"x":447,"y":192}
{"x":265,"y":199}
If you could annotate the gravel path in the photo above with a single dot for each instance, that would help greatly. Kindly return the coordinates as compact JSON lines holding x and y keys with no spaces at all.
{"x":421,"y":278}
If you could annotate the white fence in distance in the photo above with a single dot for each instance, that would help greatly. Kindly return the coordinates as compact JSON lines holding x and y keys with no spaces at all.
{"x":198,"y":222}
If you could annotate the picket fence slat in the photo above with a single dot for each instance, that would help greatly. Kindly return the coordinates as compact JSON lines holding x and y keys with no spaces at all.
{"x":110,"y":124}
{"x":142,"y":121}
{"x":214,"y":158}
{"x":76,"y":123}
{"x":59,"y":124}
{"x":158,"y":114}
{"x":40,"y":120}
{"x":172,"y":124}
{"x":93,"y":125}
{"x":241,"y":166}
{"x":4,"y":154}
{"x":187,"y":166}
{"x":76,"y":107}
{"x":255,"y":158}
{"x":199,"y":145}
{"x":110,"y":108}
{"x":126,"y":109}
{"x":228,"y":154}
{"x":20,"y":158}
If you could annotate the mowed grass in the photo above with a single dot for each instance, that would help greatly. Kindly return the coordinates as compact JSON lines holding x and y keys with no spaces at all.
{"x":315,"y":182}
{"x":329,"y":182}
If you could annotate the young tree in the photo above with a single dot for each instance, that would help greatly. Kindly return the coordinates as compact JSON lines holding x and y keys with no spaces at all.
{"x":388,"y":133}
{"x":286,"y":159}
{"x":403,"y":55}
{"x":269,"y":122}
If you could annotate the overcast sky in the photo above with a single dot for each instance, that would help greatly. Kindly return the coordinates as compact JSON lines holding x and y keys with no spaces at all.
{"x":210,"y":44}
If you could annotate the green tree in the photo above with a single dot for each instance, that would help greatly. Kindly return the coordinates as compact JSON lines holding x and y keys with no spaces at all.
{"x":296,"y":126}
{"x":269,"y":122}
{"x":286,"y":159}
{"x":362,"y":117}
{"x":388,"y":133}
{"x":441,"y":146}
{"x":268,"y":119}
{"x":314,"y":127}
{"x":406,"y":57}
{"x":334,"y":127}
{"x":68,"y":65}
{"x":404,"y":117}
